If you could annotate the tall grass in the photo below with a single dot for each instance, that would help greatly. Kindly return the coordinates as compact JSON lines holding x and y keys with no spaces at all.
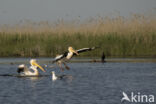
{"x":134,"y":36}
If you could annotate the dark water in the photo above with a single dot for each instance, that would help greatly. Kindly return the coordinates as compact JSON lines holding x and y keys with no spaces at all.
{"x":92,"y":83}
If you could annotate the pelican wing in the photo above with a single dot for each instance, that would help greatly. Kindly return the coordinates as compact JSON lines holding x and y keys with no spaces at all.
{"x":59,"y":57}
{"x":85,"y":49}
{"x":22,"y":69}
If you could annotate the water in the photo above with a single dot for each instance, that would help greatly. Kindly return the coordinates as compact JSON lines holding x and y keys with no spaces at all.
{"x":91,"y":83}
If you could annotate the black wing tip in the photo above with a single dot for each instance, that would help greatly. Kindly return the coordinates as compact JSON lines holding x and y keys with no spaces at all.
{"x":19,"y":70}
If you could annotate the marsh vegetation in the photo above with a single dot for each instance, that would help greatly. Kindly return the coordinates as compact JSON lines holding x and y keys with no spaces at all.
{"x":133,"y":36}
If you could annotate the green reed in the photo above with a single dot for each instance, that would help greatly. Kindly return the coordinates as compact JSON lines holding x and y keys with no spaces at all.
{"x":116,"y":37}
{"x":112,"y":44}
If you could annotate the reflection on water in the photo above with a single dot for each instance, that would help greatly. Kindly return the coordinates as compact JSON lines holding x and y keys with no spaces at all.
{"x":34,"y":78}
{"x":89,"y":83}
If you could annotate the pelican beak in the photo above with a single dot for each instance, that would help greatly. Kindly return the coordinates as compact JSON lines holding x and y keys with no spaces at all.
{"x":36,"y":64}
{"x":75,"y":52}
{"x":70,"y":49}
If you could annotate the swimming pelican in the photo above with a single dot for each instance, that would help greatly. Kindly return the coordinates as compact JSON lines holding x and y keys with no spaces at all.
{"x":31,"y":71}
{"x":55,"y":77}
{"x":68,"y":55}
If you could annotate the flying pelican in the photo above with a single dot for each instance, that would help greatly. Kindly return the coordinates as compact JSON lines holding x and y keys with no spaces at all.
{"x":31,"y":71}
{"x":68,"y":55}
{"x":55,"y":77}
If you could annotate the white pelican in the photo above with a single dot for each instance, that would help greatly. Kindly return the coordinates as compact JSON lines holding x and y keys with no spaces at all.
{"x":31,"y":71}
{"x":68,"y":55}
{"x":55,"y":77}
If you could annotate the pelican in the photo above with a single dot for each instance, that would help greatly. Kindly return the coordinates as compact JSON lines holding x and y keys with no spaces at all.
{"x":68,"y":55}
{"x":31,"y":71}
{"x":56,"y":77}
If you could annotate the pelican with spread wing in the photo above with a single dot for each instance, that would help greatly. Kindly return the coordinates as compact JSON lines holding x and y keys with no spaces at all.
{"x":31,"y":71}
{"x":68,"y":55}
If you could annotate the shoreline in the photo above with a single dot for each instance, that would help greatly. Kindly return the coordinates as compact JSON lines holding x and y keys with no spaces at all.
{"x":16,"y":61}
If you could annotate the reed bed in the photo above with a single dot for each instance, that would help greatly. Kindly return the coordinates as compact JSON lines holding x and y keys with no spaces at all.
{"x":133,"y":36}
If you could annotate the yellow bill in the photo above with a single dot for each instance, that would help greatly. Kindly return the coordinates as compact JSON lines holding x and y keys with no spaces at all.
{"x":74,"y":51}
{"x":36,"y":64}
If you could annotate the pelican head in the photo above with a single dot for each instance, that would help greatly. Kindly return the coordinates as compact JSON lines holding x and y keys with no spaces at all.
{"x":70,"y":49}
{"x":34,"y":63}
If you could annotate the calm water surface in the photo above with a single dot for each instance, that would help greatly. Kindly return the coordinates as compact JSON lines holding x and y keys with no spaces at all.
{"x":91,"y":83}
